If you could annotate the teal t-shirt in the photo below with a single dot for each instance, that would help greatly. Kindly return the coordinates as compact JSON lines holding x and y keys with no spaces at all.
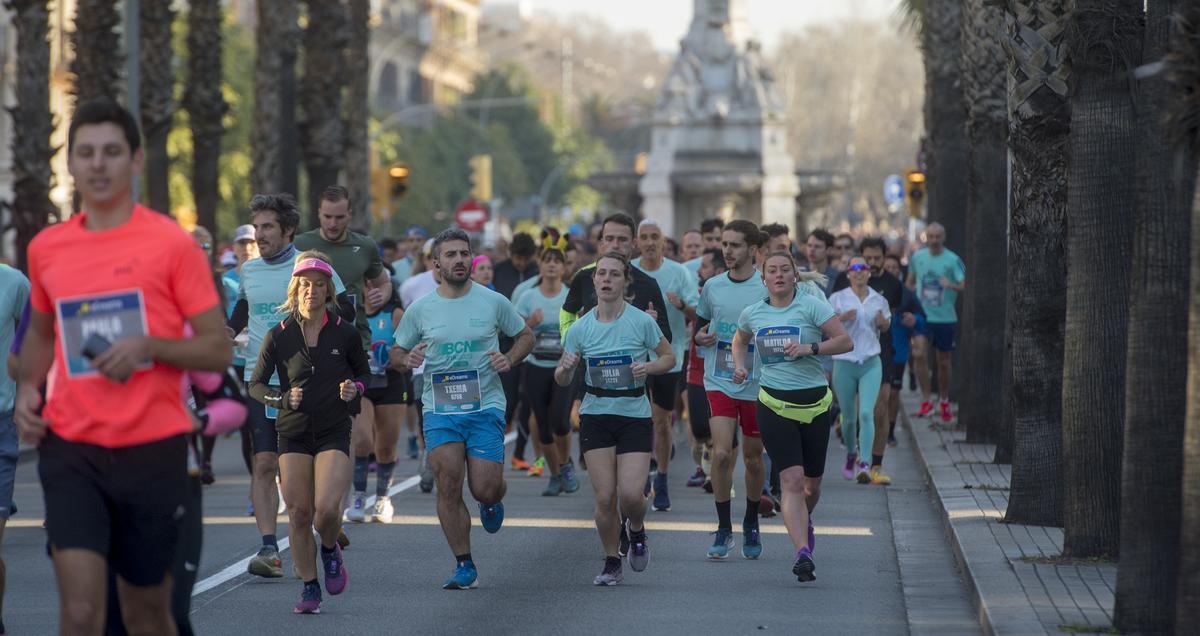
{"x":693,"y":266}
{"x":675,"y":278}
{"x":771,"y":328}
{"x":721,"y":303}
{"x":460,"y":332}
{"x":264,"y":286}
{"x":525,"y":286}
{"x":927,"y":269}
{"x":607,"y":351}
{"x":402,"y":269}
{"x":231,"y":282}
{"x":547,"y":340}
{"x":14,"y":292}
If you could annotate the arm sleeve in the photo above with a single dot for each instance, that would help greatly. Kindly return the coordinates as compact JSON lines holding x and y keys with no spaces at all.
{"x":259,"y":389}
{"x":571,"y":306}
{"x":240,"y":316}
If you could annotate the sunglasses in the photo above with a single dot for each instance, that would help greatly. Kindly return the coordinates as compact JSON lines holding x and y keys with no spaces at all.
{"x":859,"y":267}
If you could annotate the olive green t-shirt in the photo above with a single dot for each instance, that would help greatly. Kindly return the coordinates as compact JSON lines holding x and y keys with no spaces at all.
{"x":356,"y":260}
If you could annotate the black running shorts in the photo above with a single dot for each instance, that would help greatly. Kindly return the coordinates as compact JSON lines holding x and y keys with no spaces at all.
{"x":394,"y":393}
{"x":791,"y":443}
{"x":628,"y":434}
{"x":334,"y":437}
{"x":664,"y":389}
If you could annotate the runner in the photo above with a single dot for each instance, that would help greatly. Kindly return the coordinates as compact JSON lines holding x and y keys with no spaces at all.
{"x":710,"y":235}
{"x":732,"y":405}
{"x":712,"y":263}
{"x":263,"y":290}
{"x":615,"y":340}
{"x":551,"y":403}
{"x":115,"y":397}
{"x":793,"y":400}
{"x":937,"y":275}
{"x":817,"y":248}
{"x":682,"y":295}
{"x":859,"y":373}
{"x":692,"y":246}
{"x":14,"y":297}
{"x":320,"y":370}
{"x":454,"y":330}
{"x":407,"y":266}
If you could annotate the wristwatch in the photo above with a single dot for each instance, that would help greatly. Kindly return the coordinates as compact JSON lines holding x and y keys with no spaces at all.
{"x":815,"y":350}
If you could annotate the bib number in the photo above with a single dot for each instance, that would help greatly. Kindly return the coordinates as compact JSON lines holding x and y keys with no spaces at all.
{"x":114,"y":316}
{"x":611,"y":372}
{"x":931,"y":292}
{"x":772,"y":342}
{"x":456,"y":392}
{"x":724,"y":362}
{"x":548,"y":345}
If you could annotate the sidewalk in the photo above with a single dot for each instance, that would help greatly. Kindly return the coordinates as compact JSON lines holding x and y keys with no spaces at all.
{"x":1018,"y":583}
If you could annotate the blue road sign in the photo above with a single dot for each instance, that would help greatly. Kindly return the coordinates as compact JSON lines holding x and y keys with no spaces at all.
{"x":893,"y":189}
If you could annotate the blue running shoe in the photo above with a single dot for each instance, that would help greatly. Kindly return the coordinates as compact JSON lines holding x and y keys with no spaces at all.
{"x":569,"y":481}
{"x":492,"y":517}
{"x":722,"y":544}
{"x":804,"y":568}
{"x":751,"y":544}
{"x":465,"y":577}
{"x":639,"y":552}
{"x":310,"y":600}
{"x":662,"y":501}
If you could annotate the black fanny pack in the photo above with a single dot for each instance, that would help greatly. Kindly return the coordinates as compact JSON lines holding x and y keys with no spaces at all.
{"x":614,"y":393}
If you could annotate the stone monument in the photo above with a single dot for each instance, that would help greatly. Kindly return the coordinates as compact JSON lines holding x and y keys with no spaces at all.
{"x":719,"y":140}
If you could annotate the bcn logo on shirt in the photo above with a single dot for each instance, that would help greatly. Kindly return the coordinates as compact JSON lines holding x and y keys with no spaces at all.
{"x":726,"y":328}
{"x":462,"y":346}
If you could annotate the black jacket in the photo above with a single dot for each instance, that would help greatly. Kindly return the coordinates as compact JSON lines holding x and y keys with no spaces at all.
{"x":338,"y":356}
{"x":581,"y":297}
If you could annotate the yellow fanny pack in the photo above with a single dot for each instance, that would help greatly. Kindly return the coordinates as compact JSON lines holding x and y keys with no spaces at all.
{"x":803,"y":413}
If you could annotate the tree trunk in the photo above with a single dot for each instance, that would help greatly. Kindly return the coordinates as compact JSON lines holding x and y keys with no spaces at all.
{"x":1039,"y":126}
{"x":982,"y":367}
{"x":206,"y":106}
{"x":1156,"y":366}
{"x":322,"y":131}
{"x":97,"y":48}
{"x":32,"y":125}
{"x":157,"y":97}
{"x":1105,"y":41}
{"x":358,"y":152}
{"x":274,"y":36}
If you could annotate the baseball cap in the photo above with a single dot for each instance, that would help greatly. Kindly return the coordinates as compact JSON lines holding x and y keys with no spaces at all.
{"x":228,"y":259}
{"x":312,"y":265}
{"x":417,"y":231}
{"x":244,"y":233}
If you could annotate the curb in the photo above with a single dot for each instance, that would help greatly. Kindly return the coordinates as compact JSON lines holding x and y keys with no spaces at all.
{"x":987,"y":571}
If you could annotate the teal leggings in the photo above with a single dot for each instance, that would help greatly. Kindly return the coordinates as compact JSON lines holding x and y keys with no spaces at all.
{"x":861,"y":380}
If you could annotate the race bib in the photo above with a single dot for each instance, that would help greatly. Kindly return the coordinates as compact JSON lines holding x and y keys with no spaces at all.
{"x":724,"y":362}
{"x":114,"y":315}
{"x":456,"y":392}
{"x":931,"y":292}
{"x":771,"y":342}
{"x":611,"y":372}
{"x":547,"y":344}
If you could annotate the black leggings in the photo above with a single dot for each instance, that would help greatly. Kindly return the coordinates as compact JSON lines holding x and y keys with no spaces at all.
{"x":551,"y":403}
{"x":791,"y":443}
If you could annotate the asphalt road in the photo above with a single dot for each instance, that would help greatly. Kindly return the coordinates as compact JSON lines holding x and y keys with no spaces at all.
{"x":536,"y":573}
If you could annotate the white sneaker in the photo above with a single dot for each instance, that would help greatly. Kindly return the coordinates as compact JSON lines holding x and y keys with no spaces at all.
{"x":863,"y":475}
{"x":357,"y":512}
{"x":382,"y":512}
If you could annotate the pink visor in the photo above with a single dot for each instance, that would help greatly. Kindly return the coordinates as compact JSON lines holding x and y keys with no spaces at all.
{"x":311,"y":265}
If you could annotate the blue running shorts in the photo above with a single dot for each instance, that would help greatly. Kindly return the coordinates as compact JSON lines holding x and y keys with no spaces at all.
{"x":482,"y":432}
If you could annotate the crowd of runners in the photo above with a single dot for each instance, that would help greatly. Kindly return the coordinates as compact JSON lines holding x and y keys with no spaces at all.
{"x":136,"y":346}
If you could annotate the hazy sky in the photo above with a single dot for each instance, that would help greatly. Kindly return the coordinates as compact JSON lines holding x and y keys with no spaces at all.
{"x":667,"y":20}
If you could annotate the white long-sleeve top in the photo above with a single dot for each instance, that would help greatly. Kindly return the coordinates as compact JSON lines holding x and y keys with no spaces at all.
{"x":862,"y":329}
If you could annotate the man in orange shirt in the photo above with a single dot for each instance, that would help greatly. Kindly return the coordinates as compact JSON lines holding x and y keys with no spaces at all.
{"x":111,"y":290}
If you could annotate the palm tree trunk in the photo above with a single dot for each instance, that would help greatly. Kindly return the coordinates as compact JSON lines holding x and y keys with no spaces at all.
{"x":206,"y":106}
{"x":32,"y":125}
{"x":358,"y":152}
{"x":983,"y":77}
{"x":1105,"y":41}
{"x":1039,"y":126}
{"x":97,"y":48}
{"x":157,"y":97}
{"x":275,"y":35}
{"x":1156,"y":366}
{"x":322,"y":131}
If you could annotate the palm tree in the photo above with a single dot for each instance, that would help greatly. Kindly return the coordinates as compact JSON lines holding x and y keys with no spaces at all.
{"x":984,"y":83}
{"x":31,"y":208}
{"x":206,"y":106}
{"x":97,"y":47}
{"x":1156,"y":366}
{"x":1105,"y":41}
{"x":156,"y":99}
{"x":358,"y":152}
{"x":322,"y":132}
{"x":1039,"y":124}
{"x":275,"y":45}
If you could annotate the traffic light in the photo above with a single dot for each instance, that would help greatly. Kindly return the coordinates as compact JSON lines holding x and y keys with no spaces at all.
{"x":398,"y":179}
{"x":914,"y":192}
{"x":481,"y":178}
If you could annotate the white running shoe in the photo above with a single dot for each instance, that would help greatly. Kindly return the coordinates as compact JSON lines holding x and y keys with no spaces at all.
{"x":382,"y":512}
{"x":357,"y":512}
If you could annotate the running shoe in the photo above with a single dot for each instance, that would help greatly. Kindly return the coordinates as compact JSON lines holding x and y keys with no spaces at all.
{"x":611,"y":574}
{"x":767,"y":505}
{"x":804,"y":568}
{"x":639,"y":552}
{"x":708,"y":487}
{"x":892,"y":441}
{"x":848,"y":469}
{"x":492,"y":517}
{"x":334,"y":567}
{"x":554,"y":487}
{"x":863,"y":473}
{"x":662,"y":500}
{"x":465,"y":577}
{"x":569,"y":482}
{"x":343,"y":541}
{"x":722,"y":544}
{"x":310,"y":600}
{"x":878,"y":477}
{"x":427,"y":480}
{"x":206,"y":474}
{"x":413,"y":450}
{"x":519,"y":464}
{"x":538,"y":467}
{"x":946,"y":415}
{"x":357,"y":512}
{"x":812,"y":535}
{"x":382,"y":512}
{"x":697,"y":478}
{"x":623,"y":543}
{"x":751,"y":543}
{"x":266,"y":563}
{"x":926,"y":409}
